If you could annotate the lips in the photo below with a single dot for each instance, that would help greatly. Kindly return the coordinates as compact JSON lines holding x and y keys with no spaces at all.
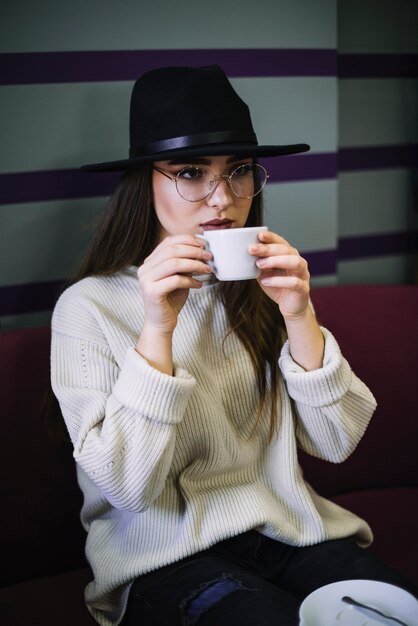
{"x":217,"y":224}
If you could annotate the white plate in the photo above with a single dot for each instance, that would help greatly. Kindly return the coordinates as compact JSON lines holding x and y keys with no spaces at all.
{"x":324,"y":606}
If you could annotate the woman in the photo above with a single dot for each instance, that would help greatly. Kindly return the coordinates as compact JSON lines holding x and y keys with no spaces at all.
{"x":186,"y":398}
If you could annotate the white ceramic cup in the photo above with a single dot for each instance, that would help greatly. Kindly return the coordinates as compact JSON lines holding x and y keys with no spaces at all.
{"x":229,"y":246}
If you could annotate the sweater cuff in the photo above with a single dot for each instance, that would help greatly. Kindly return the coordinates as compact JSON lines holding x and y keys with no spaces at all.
{"x":319,"y":387}
{"x":152,"y":393}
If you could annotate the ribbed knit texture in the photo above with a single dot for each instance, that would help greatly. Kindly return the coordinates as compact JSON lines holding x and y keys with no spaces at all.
{"x":167,"y":464}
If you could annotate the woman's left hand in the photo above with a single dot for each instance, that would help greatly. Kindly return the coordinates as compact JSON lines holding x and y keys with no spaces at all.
{"x":284,"y":274}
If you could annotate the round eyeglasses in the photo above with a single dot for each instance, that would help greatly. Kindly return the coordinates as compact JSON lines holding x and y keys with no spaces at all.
{"x":197,"y":182}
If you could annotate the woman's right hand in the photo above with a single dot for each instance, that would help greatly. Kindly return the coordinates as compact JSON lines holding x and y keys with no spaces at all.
{"x":165,"y":278}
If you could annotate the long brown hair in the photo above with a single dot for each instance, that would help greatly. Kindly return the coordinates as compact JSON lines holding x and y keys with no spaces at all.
{"x":125,"y":235}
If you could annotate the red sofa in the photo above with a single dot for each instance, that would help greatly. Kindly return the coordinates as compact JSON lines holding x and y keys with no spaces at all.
{"x":44,"y":572}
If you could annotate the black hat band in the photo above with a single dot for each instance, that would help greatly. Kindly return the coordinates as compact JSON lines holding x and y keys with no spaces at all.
{"x":188,"y":141}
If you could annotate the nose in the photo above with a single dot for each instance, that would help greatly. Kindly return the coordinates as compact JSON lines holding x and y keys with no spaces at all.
{"x":221,"y":196}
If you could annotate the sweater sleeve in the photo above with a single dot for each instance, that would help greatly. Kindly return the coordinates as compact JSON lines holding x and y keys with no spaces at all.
{"x":122,"y":421}
{"x":333,"y":406}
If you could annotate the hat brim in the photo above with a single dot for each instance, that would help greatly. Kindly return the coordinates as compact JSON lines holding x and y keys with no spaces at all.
{"x":199,"y":151}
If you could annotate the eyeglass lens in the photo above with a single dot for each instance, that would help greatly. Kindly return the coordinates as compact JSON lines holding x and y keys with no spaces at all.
{"x":197,"y":182}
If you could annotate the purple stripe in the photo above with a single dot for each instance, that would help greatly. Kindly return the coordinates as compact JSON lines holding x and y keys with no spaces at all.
{"x":114,"y":65}
{"x":316,"y":166}
{"x":22,"y":187}
{"x":53,"y":185}
{"x":18,"y":299}
{"x":377,"y":65}
{"x":69,"y":184}
{"x":321,"y":262}
{"x":377,"y":157}
{"x":365,"y":246}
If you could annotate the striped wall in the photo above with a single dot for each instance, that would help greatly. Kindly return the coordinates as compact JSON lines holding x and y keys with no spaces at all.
{"x":66,"y":71}
{"x":378,"y":141}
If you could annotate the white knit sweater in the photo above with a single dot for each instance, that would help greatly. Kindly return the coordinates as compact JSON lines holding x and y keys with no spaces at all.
{"x":166,"y":464}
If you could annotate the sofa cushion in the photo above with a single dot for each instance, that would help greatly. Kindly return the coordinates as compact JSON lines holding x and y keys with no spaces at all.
{"x":392,"y":514}
{"x":40,"y":529}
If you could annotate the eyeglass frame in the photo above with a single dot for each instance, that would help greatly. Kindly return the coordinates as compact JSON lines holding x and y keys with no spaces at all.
{"x":226,"y":177}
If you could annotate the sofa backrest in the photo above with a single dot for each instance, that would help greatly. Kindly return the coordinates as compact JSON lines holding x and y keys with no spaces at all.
{"x":40,"y":530}
{"x":377,"y":329}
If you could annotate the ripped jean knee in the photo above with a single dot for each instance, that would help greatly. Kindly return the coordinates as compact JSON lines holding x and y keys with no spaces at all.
{"x":207,"y":596}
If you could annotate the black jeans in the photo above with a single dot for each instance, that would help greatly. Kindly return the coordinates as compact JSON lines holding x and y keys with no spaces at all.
{"x":248,"y":580}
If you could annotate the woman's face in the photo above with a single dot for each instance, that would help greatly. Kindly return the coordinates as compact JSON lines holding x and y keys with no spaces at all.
{"x":221,"y":209}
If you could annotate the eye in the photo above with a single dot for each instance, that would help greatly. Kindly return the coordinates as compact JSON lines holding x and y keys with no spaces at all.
{"x":243,"y":170}
{"x":191,"y":173}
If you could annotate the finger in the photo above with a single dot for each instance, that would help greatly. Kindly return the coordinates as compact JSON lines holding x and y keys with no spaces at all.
{"x":172,"y":283}
{"x":268,"y":236}
{"x":169,"y":243}
{"x":293,"y":283}
{"x":177,"y":251}
{"x":177,"y":240}
{"x":277,"y":249}
{"x":290,"y":262}
{"x":171,"y":267}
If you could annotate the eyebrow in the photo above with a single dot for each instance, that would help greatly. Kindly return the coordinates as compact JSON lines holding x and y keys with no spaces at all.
{"x":206,"y":161}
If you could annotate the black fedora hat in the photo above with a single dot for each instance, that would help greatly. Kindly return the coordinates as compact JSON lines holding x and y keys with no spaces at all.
{"x":186,"y":112}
